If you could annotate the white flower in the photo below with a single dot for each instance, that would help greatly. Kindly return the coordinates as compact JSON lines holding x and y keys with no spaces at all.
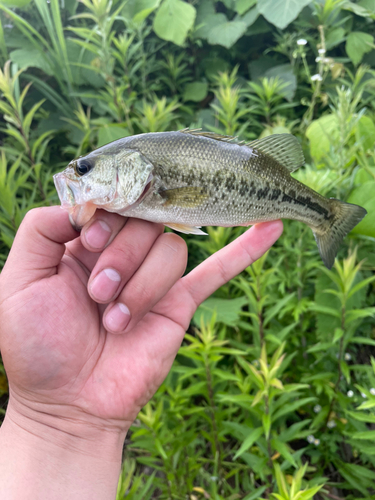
{"x":301,"y":41}
{"x":310,"y":438}
{"x":363,"y":395}
{"x":322,"y":51}
{"x":316,"y":77}
{"x":331,"y":424}
{"x":317,"y":408}
{"x":213,"y":478}
{"x":372,"y":391}
{"x":350,"y":394}
{"x":316,"y":442}
{"x":347,"y":356}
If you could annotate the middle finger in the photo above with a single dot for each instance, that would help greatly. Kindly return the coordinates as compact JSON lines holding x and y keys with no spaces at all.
{"x":120,"y":260}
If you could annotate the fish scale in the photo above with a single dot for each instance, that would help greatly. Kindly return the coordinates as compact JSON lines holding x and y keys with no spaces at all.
{"x":189,"y":179}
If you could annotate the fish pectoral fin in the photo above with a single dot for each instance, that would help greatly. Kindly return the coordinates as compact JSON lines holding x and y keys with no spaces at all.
{"x":283,"y":148}
{"x":183,"y":228}
{"x":186,"y":197}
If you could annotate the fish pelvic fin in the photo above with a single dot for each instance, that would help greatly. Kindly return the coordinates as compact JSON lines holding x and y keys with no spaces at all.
{"x":329,"y":237}
{"x":283,"y":148}
{"x":183,"y":228}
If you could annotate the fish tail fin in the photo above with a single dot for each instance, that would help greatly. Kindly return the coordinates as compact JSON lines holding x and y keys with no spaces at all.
{"x":329,"y":236}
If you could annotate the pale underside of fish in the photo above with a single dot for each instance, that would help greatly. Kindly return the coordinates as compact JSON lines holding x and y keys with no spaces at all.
{"x":190,"y":178}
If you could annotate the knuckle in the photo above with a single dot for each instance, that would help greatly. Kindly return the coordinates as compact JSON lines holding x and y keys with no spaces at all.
{"x":128,"y":256}
{"x":141,"y":293}
{"x":33,"y":215}
{"x":222,"y":269}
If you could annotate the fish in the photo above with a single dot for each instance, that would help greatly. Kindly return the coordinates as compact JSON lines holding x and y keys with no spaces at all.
{"x":190,"y":178}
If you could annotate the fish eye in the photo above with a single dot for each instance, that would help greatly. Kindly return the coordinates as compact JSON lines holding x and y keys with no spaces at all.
{"x":82,"y":167}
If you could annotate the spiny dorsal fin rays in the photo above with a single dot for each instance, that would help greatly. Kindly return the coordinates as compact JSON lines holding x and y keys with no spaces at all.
{"x":284,"y":148}
{"x":210,"y":135}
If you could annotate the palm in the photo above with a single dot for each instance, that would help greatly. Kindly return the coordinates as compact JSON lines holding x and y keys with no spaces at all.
{"x":55,"y":347}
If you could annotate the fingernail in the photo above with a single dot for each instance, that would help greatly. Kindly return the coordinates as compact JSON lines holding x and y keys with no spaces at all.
{"x":105,"y":285}
{"x":118,"y":318}
{"x":98,"y":234}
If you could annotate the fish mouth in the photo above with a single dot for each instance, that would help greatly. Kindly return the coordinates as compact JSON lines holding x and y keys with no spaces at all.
{"x":64,"y":190}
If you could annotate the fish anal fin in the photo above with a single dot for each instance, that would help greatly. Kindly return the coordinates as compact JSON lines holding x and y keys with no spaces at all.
{"x":186,"y":197}
{"x":283,"y":148}
{"x":183,"y":228}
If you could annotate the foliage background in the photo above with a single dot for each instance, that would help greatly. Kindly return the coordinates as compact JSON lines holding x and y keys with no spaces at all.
{"x":273,"y":392}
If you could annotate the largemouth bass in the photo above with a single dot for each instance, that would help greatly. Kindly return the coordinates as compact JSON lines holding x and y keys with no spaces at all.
{"x":189,"y":179}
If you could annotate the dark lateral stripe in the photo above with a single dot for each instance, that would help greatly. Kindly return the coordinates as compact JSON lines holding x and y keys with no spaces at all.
{"x":306,"y":202}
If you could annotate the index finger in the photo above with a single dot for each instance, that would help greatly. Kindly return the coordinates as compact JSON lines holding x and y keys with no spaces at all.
{"x":38,"y":246}
{"x":225,"y":264}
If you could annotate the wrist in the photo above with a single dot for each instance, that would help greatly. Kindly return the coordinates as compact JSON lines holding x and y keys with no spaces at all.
{"x":68,"y":428}
{"x":58,"y":457}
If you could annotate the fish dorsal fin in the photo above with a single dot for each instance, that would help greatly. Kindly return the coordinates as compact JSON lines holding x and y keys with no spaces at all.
{"x":210,"y":135}
{"x":187,"y":197}
{"x":284,"y":148}
{"x":183,"y":228}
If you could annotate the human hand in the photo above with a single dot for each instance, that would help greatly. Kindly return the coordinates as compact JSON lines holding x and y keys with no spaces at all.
{"x":76,"y":365}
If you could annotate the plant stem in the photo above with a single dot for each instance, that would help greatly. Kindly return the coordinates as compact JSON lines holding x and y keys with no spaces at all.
{"x":269,"y":451}
{"x":212,"y":405}
{"x":341,"y":348}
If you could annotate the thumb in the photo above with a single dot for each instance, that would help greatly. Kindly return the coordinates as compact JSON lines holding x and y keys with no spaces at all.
{"x":38,"y":248}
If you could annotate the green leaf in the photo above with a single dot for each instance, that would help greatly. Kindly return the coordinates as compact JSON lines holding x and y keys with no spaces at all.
{"x":356,"y":9}
{"x":335,"y":37}
{"x":286,"y":74}
{"x":367,"y":405}
{"x":227,"y":311}
{"x":283,"y":449}
{"x":370,"y":435}
{"x":320,"y":133}
{"x":173,"y":20}
{"x":337,"y":335}
{"x":255,"y":494}
{"x":16,"y":3}
{"x":365,"y":132}
{"x":110,"y":133}
{"x":281,"y":12}
{"x":243,"y":6}
{"x":364,"y":196}
{"x":291,"y":407}
{"x":31,"y":58}
{"x":249,"y":441}
{"x":226,"y":34}
{"x":345,"y":370}
{"x":209,"y":23}
{"x":249,"y":18}
{"x":266,"y":421}
{"x":362,"y":340}
{"x":357,"y":44}
{"x":195,"y":91}
{"x":138,"y":10}
{"x":281,"y":482}
{"x":362,"y":417}
{"x":307,"y":494}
